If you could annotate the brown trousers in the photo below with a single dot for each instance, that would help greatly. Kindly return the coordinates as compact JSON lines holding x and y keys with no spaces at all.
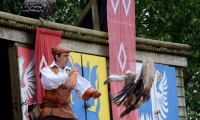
{"x":57,"y":118}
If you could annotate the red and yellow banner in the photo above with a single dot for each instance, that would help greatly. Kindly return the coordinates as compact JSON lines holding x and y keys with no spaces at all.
{"x":45,"y":39}
{"x":122,"y":46}
{"x":28,"y":83}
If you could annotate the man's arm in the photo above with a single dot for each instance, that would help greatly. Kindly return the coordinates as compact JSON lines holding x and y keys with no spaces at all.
{"x":84,"y":89}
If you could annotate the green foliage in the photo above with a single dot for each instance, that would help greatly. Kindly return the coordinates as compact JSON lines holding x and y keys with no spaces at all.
{"x":167,"y":20}
{"x":175,"y":21}
{"x":67,"y":11}
{"x":11,"y":6}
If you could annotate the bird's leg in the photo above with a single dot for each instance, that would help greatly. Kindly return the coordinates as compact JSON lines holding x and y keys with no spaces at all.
{"x":111,"y":97}
{"x":42,"y":21}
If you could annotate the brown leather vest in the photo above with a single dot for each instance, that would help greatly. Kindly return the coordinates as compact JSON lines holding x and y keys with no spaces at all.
{"x":60,"y":96}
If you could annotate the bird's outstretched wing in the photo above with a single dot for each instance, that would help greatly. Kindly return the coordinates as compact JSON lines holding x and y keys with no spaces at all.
{"x":139,"y":88}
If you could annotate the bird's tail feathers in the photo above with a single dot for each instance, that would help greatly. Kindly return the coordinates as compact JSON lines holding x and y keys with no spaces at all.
{"x":125,"y":88}
{"x":126,"y":95}
{"x":130,"y":88}
{"x":125,"y":92}
{"x":131,"y":84}
{"x":133,"y":106}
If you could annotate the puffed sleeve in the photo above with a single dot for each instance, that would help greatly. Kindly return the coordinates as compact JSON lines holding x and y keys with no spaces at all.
{"x":50,"y":80}
{"x":81,"y":86}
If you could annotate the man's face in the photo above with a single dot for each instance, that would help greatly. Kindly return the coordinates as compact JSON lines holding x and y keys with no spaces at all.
{"x":62,"y":60}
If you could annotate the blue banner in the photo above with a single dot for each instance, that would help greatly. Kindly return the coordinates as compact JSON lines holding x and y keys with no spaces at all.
{"x":163,"y":102}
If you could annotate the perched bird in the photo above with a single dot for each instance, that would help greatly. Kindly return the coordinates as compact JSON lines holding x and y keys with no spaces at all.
{"x":137,"y":87}
{"x":37,"y":9}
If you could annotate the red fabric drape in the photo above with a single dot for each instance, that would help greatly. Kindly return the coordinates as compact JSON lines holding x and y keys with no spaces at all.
{"x":45,"y":39}
{"x":122,"y":46}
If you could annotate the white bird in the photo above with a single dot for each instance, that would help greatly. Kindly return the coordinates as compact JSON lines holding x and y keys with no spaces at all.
{"x":136,"y":90}
{"x":27,"y":77}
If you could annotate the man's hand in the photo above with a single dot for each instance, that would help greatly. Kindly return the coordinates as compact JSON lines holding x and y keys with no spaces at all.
{"x":74,"y":70}
{"x":96,"y":94}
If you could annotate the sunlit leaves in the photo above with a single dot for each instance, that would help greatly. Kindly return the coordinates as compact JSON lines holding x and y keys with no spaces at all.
{"x":176,"y":21}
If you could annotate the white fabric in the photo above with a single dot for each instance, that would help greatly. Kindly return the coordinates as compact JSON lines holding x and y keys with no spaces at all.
{"x":51,"y":81}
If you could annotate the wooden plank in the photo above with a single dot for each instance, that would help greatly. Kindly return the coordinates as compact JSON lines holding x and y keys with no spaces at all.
{"x":162,"y":58}
{"x":24,"y":45}
{"x":91,"y":48}
{"x":181,"y":102}
{"x":180,"y":92}
{"x":182,"y":118}
{"x":179,"y":72}
{"x":102,"y":50}
{"x":52,"y":25}
{"x":163,"y":44}
{"x":179,"y":82}
{"x":16,"y":35}
{"x":182,"y":111}
{"x":15,"y":84}
{"x":95,"y":16}
{"x":88,"y":48}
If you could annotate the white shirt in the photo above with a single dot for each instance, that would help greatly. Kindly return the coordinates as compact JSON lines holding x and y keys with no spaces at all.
{"x":51,"y":81}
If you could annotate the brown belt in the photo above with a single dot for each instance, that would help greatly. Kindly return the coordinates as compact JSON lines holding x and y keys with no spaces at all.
{"x":53,"y":105}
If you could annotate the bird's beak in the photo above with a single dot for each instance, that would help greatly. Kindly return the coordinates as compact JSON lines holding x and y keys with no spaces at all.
{"x":106,"y":81}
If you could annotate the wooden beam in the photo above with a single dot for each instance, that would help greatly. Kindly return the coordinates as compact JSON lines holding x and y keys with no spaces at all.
{"x":15,"y":82}
{"x":17,"y":35}
{"x":95,"y":15}
{"x":164,"y":59}
{"x":88,"y":48}
{"x":83,"y":14}
{"x":52,"y":25}
{"x":84,"y":31}
{"x":165,"y":44}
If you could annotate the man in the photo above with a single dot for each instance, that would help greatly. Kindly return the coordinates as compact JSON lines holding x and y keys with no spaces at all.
{"x":58,"y":80}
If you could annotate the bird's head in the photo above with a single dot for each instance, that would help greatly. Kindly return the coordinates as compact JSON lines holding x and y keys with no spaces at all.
{"x":108,"y":80}
{"x":114,"y":78}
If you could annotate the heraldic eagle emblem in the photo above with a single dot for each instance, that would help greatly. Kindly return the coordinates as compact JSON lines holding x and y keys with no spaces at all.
{"x":137,"y":87}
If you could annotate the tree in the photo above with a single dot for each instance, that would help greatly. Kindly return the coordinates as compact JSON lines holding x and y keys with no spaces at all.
{"x":167,"y":20}
{"x":175,"y":21}
{"x":67,"y":11}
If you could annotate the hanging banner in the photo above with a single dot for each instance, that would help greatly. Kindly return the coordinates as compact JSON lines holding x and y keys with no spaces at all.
{"x":94,"y":70}
{"x":26,"y":64}
{"x":163,"y":102}
{"x":45,"y":39}
{"x":122,"y":46}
